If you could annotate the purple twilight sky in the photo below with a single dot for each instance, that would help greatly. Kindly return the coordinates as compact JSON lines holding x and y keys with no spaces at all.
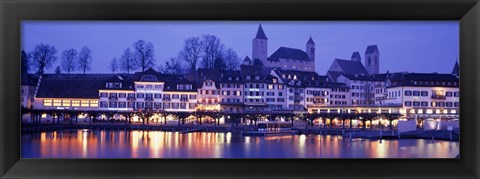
{"x":414,"y":46}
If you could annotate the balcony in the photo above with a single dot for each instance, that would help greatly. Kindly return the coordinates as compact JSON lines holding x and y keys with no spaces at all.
{"x":254,"y":103}
{"x":183,"y":99}
{"x":149,"y":99}
{"x":166,"y":99}
{"x":113,"y":98}
{"x":131,"y":98}
{"x":439,"y":97}
{"x":316,"y":105}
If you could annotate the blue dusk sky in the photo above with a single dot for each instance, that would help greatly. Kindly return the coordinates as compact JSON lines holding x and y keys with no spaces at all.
{"x":413,"y":46}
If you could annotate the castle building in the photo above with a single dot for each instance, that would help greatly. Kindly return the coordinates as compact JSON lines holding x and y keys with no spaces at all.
{"x":284,"y":57}
{"x":345,"y":67}
{"x":372,"y":60}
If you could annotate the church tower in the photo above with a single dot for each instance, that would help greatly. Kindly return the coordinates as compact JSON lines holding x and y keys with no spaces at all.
{"x":310,"y":49}
{"x":259,"y":46}
{"x":372,"y":60}
{"x":356,"y":57}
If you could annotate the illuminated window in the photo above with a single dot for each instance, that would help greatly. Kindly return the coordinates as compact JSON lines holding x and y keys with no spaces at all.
{"x":47,"y":102}
{"x":93,"y":103}
{"x":57,"y":102}
{"x":76,"y":103}
{"x":270,"y":87}
{"x":438,"y":92}
{"x":85,"y":103}
{"x":65,"y":102}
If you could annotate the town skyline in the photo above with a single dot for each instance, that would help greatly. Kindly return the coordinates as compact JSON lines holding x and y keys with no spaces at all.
{"x":238,"y":36}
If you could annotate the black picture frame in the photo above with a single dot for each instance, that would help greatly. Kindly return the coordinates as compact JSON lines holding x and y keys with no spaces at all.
{"x":12,"y":12}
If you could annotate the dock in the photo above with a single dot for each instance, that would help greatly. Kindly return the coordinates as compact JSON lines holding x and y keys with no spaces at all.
{"x":189,"y":130}
{"x":269,"y":133}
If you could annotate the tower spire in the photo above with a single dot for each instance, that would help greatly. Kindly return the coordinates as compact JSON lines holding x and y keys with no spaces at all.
{"x":310,"y":40}
{"x":260,"y":33}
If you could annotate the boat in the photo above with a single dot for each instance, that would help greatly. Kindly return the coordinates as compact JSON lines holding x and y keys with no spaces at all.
{"x":273,"y":128}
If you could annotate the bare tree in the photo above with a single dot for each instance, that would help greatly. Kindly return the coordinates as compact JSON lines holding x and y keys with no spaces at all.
{"x":219,"y":63}
{"x":58,"y":71}
{"x":25,"y":62}
{"x":191,"y":52}
{"x":43,"y":57}
{"x":69,"y":58}
{"x":144,"y":54}
{"x":114,"y":65}
{"x":212,"y":47}
{"x":172,"y":66}
{"x":127,"y":61}
{"x":231,"y":59}
{"x":85,"y":59}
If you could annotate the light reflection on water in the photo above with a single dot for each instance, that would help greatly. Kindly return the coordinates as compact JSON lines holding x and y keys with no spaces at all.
{"x":158,"y":144}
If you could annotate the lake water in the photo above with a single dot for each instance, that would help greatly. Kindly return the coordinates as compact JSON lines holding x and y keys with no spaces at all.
{"x":158,"y":144}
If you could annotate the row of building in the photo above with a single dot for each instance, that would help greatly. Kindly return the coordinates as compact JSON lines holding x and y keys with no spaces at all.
{"x":253,"y":88}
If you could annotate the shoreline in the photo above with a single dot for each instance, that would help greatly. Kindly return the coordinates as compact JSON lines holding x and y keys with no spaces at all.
{"x":238,"y":130}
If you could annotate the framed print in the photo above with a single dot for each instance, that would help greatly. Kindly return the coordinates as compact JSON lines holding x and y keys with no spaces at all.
{"x":239,"y":89}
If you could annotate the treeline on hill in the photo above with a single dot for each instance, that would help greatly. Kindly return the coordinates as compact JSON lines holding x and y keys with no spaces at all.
{"x":206,"y":51}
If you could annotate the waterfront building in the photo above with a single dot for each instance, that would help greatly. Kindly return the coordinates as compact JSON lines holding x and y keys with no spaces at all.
{"x":255,"y":80}
{"x":276,"y":92}
{"x":208,"y":90}
{"x":424,"y":96}
{"x":63,"y":93}
{"x":119,"y":93}
{"x":304,"y":89}
{"x":231,"y":91}
{"x":27,"y":90}
{"x":363,"y":88}
{"x":180,"y":96}
{"x":339,"y":94}
{"x":60,"y":93}
{"x":284,"y":57}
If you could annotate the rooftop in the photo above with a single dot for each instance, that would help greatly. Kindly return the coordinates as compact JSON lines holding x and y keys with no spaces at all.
{"x":289,"y":53}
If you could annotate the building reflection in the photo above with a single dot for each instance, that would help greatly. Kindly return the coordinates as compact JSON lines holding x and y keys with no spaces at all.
{"x":159,"y":144}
